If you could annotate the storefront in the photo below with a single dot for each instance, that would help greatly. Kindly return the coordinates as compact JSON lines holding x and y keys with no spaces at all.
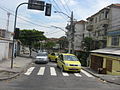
{"x":106,"y":61}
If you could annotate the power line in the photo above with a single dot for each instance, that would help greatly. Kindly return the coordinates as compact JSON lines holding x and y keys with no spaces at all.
{"x":57,"y":10}
{"x":24,"y":19}
{"x":64,"y":6}
{"x":67,"y":5}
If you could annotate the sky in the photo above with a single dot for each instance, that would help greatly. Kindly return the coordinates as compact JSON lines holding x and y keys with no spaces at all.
{"x":35,"y":19}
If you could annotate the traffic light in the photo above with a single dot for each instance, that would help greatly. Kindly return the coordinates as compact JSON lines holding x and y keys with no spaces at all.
{"x":48,"y":9}
{"x":36,"y":5}
{"x":16,"y":33}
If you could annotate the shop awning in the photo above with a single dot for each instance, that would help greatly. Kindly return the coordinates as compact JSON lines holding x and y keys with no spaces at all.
{"x":113,"y":51}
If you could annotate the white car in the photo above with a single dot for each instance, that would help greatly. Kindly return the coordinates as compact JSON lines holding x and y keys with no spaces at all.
{"x":42,"y":57}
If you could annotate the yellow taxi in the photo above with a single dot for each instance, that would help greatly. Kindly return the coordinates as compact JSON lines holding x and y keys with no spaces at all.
{"x":68,"y":62}
{"x":53,"y":57}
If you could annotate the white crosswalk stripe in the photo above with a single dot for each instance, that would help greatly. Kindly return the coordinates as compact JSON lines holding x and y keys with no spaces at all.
{"x":52,"y":71}
{"x":29,"y":71}
{"x":77,"y":74}
{"x":41,"y":71}
{"x":65,"y":74}
{"x":86,"y":73}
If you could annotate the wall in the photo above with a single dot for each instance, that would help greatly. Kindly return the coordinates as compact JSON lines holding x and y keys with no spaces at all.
{"x":78,"y":36}
{"x":115,"y":19}
{"x":4,"y":49}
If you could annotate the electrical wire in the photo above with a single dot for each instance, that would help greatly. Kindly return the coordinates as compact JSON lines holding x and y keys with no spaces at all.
{"x":64,"y":7}
{"x":57,"y":10}
{"x":67,"y":5}
{"x":24,"y":19}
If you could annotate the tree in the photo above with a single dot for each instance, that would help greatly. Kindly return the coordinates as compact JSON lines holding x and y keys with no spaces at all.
{"x":30,"y":37}
{"x":63,"y":42}
{"x":49,"y":45}
{"x":87,"y":43}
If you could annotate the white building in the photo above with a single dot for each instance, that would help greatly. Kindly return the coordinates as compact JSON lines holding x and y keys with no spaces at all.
{"x":80,"y":33}
{"x":105,"y":22}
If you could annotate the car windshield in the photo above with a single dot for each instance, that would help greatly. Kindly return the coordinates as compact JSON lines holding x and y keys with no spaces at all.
{"x":70,"y":58}
{"x":42,"y":54}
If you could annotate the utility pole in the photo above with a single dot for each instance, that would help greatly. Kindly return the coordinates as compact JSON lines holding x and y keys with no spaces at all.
{"x":7,"y":26}
{"x":72,"y":32}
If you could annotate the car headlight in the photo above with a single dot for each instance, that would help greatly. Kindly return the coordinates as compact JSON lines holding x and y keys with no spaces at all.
{"x":79,"y":65}
{"x":66,"y":64}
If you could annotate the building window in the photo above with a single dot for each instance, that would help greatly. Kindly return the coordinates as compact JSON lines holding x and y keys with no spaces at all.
{"x":115,"y":40}
{"x":106,"y":15}
{"x":96,"y":20}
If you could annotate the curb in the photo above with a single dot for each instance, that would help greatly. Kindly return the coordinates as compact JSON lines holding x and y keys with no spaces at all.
{"x":17,"y":74}
{"x":100,"y":77}
{"x":7,"y":78}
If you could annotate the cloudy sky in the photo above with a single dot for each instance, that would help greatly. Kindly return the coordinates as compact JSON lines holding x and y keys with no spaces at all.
{"x":33,"y":19}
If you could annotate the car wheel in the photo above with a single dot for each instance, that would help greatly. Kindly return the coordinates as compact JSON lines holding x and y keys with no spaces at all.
{"x":57,"y":66}
{"x":49,"y":59}
{"x":78,"y":71}
{"x":56,"y":60}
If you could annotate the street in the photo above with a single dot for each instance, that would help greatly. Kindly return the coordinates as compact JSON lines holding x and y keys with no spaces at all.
{"x":49,"y":77}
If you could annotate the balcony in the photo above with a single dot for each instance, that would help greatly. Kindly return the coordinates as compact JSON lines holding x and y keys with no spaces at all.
{"x":89,"y":27}
{"x":104,"y":21}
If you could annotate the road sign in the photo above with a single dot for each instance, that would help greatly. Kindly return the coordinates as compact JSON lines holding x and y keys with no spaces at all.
{"x":48,"y":9}
{"x":36,"y":4}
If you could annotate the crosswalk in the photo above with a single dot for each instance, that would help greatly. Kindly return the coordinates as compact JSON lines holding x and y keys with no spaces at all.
{"x":41,"y":72}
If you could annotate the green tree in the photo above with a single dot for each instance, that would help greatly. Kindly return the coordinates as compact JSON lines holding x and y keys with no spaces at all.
{"x":63,"y":42}
{"x":49,"y":45}
{"x":87,"y":43}
{"x":30,"y":37}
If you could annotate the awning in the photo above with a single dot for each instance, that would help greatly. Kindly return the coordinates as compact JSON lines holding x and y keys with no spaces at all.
{"x":113,"y":51}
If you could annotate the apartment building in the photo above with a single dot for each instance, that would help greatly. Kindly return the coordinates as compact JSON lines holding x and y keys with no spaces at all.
{"x":105,"y":27}
{"x":80,"y":33}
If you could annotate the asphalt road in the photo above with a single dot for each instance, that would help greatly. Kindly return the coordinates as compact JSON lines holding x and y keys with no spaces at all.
{"x":49,"y":77}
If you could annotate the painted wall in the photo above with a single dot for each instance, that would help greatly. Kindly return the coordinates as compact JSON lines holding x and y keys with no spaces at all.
{"x":4,"y":49}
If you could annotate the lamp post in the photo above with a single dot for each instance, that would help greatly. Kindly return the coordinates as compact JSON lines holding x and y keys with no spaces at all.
{"x":71,"y":40}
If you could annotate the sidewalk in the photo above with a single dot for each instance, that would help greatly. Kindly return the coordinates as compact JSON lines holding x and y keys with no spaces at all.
{"x":108,"y":78}
{"x":19,"y":64}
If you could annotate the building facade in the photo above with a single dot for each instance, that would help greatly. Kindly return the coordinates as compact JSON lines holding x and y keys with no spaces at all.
{"x":80,"y":33}
{"x":106,"y":60}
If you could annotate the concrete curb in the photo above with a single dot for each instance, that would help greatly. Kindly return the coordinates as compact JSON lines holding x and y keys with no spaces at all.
{"x":104,"y":80}
{"x":16,"y":74}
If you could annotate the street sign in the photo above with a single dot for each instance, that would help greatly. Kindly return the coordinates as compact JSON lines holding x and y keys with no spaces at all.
{"x":36,"y":4}
{"x":48,"y":9}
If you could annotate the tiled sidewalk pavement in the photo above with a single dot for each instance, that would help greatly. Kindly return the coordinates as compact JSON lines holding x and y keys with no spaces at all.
{"x":108,"y":78}
{"x":19,"y":64}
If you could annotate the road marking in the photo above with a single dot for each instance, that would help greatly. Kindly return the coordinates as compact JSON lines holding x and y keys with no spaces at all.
{"x":41,"y":71}
{"x":65,"y":74}
{"x":77,"y":74}
{"x":29,"y":71}
{"x":86,"y":73}
{"x":52,"y":71}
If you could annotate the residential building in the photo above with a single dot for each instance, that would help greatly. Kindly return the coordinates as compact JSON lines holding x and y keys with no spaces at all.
{"x":80,"y":33}
{"x":105,"y":26}
{"x":5,"y":34}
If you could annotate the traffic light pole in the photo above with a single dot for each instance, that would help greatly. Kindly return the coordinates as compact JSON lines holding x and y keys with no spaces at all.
{"x":14,"y":31}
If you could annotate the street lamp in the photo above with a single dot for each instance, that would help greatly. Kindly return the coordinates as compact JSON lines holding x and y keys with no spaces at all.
{"x":71,"y":41}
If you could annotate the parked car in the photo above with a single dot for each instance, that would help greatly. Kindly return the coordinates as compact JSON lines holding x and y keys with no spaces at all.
{"x":42,"y":57}
{"x":53,"y":56}
{"x":68,"y":62}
